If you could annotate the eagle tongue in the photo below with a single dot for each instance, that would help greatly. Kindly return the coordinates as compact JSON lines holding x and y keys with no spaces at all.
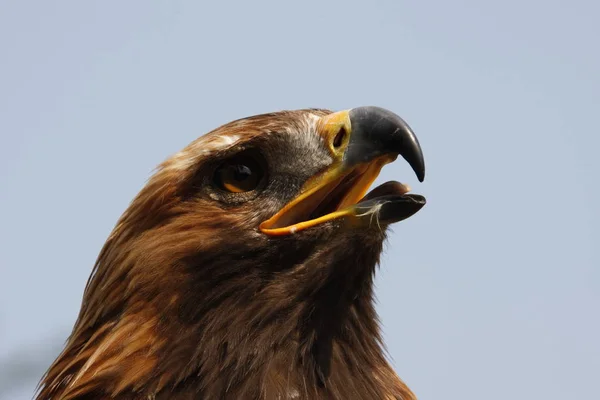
{"x":387,"y":189}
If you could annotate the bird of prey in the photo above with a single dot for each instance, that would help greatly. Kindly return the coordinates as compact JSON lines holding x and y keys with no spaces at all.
{"x":244,"y":268}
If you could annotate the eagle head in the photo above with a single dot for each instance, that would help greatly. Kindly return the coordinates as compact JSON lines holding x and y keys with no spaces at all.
{"x":244,"y":268}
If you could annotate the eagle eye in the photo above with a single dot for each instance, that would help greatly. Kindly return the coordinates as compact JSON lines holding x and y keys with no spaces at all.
{"x":241,"y":173}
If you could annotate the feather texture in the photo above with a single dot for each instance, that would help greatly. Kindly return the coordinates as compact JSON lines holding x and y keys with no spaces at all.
{"x":188,"y":300}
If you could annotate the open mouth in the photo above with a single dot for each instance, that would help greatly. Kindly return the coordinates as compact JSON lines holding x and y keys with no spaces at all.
{"x":346,"y":195}
{"x":361,"y":141}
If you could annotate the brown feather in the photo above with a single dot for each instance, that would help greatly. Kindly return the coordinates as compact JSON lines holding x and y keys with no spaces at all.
{"x":187,"y":300}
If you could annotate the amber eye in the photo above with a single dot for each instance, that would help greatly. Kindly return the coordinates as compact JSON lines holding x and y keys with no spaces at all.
{"x":240,"y":174}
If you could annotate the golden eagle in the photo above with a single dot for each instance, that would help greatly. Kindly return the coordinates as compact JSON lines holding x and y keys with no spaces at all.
{"x":244,"y":268}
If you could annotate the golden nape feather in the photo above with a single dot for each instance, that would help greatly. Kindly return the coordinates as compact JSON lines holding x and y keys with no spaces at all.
{"x":244,"y":268}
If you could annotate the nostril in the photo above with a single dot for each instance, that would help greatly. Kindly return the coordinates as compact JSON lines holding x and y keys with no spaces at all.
{"x":339,"y":138}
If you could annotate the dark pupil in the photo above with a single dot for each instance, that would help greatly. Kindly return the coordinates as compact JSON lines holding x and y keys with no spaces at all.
{"x":241,"y":172}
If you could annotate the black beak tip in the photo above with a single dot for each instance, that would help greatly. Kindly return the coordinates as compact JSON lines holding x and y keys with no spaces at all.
{"x":383,"y":131}
{"x":421,"y":174}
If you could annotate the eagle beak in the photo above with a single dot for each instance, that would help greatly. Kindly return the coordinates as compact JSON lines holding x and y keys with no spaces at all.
{"x":361,"y":140}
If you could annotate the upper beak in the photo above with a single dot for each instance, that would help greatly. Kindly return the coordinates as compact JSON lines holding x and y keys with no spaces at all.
{"x":362,"y":140}
{"x":378,"y":132}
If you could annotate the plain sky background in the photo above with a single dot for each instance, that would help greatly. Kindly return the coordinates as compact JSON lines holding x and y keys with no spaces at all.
{"x":491,"y":292}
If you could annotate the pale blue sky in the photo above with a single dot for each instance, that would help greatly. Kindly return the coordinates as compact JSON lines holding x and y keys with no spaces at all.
{"x":492,"y":291}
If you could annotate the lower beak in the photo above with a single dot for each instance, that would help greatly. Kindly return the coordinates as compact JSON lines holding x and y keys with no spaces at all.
{"x":362,"y":140}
